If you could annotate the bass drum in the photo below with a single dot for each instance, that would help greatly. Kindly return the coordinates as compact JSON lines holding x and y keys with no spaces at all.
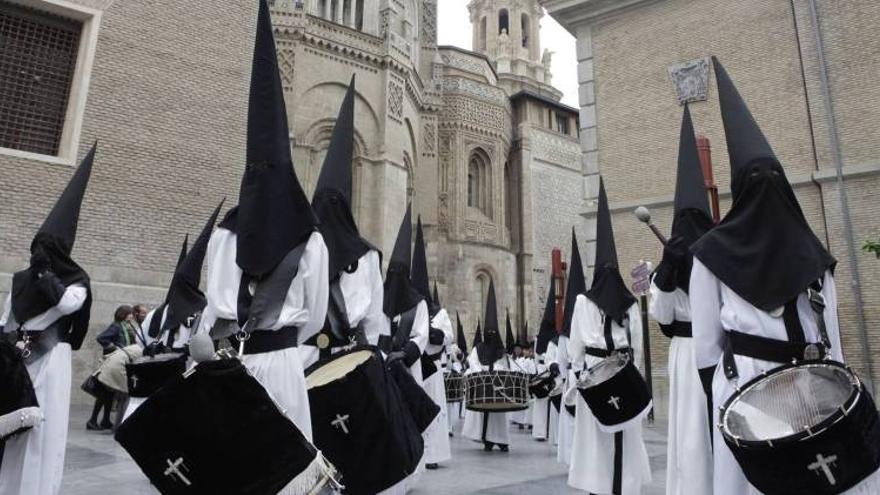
{"x":810,"y":427}
{"x":497,"y":391}
{"x":147,"y":374}
{"x":615,"y":392}
{"x":454,"y":382}
{"x":360,"y":421}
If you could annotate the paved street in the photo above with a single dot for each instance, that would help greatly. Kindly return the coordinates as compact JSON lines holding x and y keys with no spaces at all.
{"x":98,"y":465}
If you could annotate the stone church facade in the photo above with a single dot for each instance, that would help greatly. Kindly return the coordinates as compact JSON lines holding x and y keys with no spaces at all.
{"x":477,"y":140}
{"x":637,"y":60}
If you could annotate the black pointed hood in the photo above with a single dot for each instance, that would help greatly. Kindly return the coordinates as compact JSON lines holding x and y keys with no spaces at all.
{"x":185,"y":298}
{"x":547,"y":332}
{"x":491,"y":349}
{"x":400,"y":295}
{"x":509,"y":339}
{"x":420,"y":267}
{"x":692,"y":215}
{"x":460,"y":339}
{"x":436,"y":296}
{"x":478,"y":335}
{"x":608,"y":291}
{"x":575,"y":286}
{"x":765,"y":231}
{"x":183,"y":250}
{"x":274,"y":215}
{"x":332,"y":199}
{"x":51,"y":249}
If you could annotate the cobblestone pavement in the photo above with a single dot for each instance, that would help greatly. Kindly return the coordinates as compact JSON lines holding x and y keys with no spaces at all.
{"x":96,"y":464}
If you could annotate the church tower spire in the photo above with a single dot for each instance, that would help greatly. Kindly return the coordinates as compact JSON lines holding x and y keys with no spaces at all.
{"x":508,"y":33}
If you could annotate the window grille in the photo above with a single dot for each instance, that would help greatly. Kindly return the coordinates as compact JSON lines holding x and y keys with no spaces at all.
{"x":38,"y":53}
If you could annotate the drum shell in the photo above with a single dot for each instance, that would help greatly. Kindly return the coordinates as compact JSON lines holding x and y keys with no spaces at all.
{"x":152,"y":374}
{"x":633,"y":399}
{"x":226,"y":429}
{"x":383,"y":445}
{"x":18,"y":391}
{"x":541,"y":388}
{"x":515,"y":387}
{"x":454,"y":383}
{"x":420,"y":405}
{"x":783,"y":469}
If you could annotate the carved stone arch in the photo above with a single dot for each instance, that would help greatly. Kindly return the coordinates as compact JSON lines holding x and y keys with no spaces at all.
{"x":482,"y":277}
{"x":410,"y":176}
{"x":314,"y":93}
{"x":317,"y":140}
{"x":479,"y":180}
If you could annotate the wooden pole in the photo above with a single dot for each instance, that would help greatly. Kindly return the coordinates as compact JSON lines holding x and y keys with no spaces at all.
{"x":704,"y":148}
{"x":559,"y":280}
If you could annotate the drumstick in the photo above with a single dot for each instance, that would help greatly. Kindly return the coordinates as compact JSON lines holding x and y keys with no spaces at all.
{"x":644,"y":216}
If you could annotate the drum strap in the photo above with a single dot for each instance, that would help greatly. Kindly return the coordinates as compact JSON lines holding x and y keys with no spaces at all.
{"x":609,"y":337}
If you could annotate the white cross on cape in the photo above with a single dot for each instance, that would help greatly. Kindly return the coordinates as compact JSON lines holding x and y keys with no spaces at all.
{"x":341,"y":422}
{"x":824,"y":464}
{"x":614,"y":401}
{"x":174,"y":470}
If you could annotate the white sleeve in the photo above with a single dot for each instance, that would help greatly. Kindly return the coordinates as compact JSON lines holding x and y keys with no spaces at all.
{"x":6,"y":308}
{"x":375,"y":322}
{"x":705,"y":297}
{"x":421,"y":327}
{"x":662,"y":306}
{"x":473,"y":362}
{"x":576,"y":342}
{"x":73,"y":299}
{"x":635,"y":331}
{"x":315,"y":279}
{"x":442,"y":322}
{"x":832,"y":324}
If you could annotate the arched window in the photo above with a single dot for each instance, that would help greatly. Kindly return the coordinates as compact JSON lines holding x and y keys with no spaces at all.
{"x":503,"y":22}
{"x":478,"y":190}
{"x":525,"y":30}
{"x":483,"y":280}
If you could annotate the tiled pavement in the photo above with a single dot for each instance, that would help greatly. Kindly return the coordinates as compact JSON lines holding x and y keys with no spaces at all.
{"x":96,"y":464}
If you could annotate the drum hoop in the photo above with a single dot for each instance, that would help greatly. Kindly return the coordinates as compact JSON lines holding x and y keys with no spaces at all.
{"x":842,"y":412}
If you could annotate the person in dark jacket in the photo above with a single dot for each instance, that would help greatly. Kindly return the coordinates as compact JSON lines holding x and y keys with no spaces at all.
{"x":118,"y":335}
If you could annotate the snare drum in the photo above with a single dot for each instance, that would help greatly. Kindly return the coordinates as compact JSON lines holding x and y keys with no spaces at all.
{"x":541,"y":386}
{"x":809,"y":427}
{"x":217,"y":430}
{"x":147,"y":374}
{"x":497,"y":391}
{"x":454,"y":382}
{"x":360,"y":421}
{"x":615,"y":392}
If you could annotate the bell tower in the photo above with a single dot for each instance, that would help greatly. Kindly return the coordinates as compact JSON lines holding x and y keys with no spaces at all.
{"x":508,"y":32}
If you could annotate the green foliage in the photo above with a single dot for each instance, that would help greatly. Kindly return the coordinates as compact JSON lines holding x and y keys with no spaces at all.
{"x":872,"y":247}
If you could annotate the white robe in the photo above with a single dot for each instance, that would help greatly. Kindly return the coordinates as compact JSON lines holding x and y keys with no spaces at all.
{"x":565,"y":430}
{"x":592,"y":462}
{"x":305,"y":306}
{"x":451,"y":364}
{"x":33,"y":462}
{"x":363,"y":293}
{"x":715,"y":309}
{"x":437,"y":447}
{"x":497,"y":424}
{"x":689,"y":447}
{"x":544,"y":415}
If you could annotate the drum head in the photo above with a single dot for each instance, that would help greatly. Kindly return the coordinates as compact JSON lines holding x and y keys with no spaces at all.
{"x":794,"y":400}
{"x":158,"y":358}
{"x":603,"y":371}
{"x":337,"y":368}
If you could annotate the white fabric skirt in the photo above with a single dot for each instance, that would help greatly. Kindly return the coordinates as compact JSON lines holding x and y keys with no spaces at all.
{"x":281,"y":373}
{"x":33,"y":462}
{"x":437,"y":435}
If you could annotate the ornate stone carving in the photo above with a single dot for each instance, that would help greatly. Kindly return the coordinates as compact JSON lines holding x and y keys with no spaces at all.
{"x":555,"y":149}
{"x":691,"y":80}
{"x":447,"y":141}
{"x":468,"y":63}
{"x":286,"y":58}
{"x":395,"y":100}
{"x":443,"y":213}
{"x":429,"y":137}
{"x":485,"y":92}
{"x":429,"y":23}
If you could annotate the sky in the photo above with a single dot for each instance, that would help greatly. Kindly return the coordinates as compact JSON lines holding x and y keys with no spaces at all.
{"x":454,"y":28}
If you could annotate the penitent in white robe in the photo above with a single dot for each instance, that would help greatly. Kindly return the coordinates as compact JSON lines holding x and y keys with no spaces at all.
{"x":689,"y":447}
{"x":715,"y":308}
{"x":305,"y":306}
{"x":544,"y":414}
{"x":451,"y":364}
{"x":437,"y":435}
{"x":33,"y":462}
{"x":479,"y":426}
{"x":592,"y":466}
{"x":363,"y":293}
{"x":565,"y":430}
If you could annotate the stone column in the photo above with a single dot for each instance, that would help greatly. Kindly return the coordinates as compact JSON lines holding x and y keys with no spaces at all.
{"x":588,"y":135}
{"x":352,"y":14}
{"x":326,"y":14}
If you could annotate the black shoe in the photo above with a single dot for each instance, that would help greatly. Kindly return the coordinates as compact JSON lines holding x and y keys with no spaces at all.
{"x":487,"y":447}
{"x":431,"y":465}
{"x":106,"y":425}
{"x":92,"y":426}
{"x":451,"y":434}
{"x":521,"y":427}
{"x":504,"y":448}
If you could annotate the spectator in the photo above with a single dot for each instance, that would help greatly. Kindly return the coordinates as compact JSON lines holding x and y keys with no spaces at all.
{"x":118,"y":335}
{"x":140,"y":314}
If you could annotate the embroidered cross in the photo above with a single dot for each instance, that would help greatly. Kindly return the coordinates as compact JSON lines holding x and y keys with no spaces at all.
{"x":134,"y":381}
{"x":824,"y":464}
{"x":341,"y":422}
{"x":615,"y":401}
{"x":174,"y":470}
